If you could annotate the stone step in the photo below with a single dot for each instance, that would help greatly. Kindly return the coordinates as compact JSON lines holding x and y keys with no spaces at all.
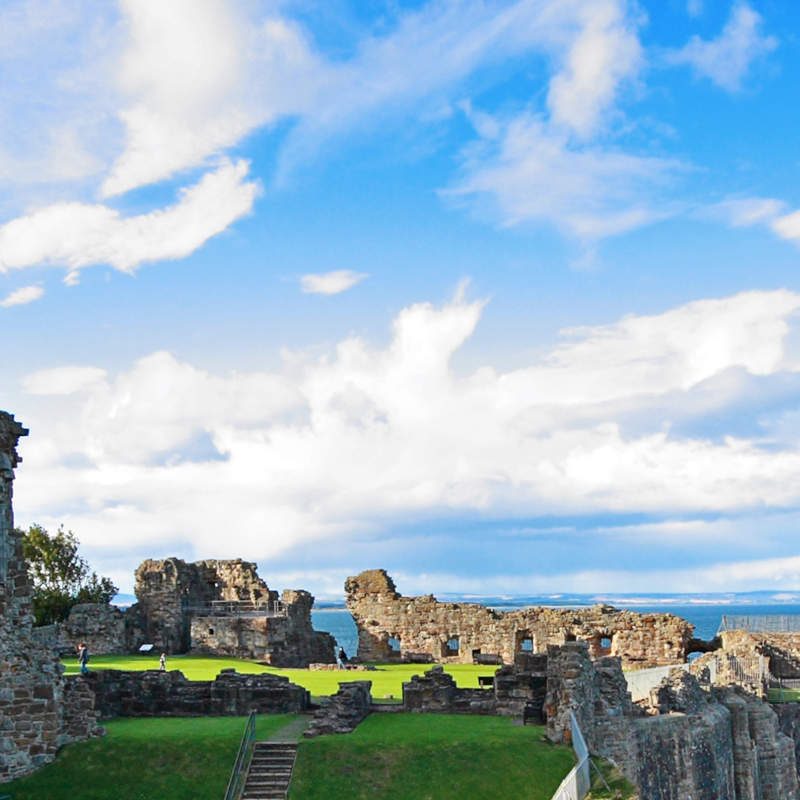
{"x":270,"y":771}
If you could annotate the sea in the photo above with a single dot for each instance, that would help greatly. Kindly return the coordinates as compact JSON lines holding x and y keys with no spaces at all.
{"x":704,"y":611}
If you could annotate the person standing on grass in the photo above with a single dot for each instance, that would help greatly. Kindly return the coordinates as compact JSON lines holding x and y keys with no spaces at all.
{"x":162,"y":663}
{"x":83,"y":658}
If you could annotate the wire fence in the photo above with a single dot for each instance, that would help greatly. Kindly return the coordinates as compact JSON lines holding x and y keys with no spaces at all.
{"x":760,"y":623}
{"x":579,"y":780}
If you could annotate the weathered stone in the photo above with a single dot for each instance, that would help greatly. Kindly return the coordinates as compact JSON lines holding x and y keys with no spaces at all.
{"x":343,"y":712}
{"x":393,"y":627}
{"x":122,"y":693}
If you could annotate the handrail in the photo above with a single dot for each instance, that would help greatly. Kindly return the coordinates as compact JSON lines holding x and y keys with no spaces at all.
{"x":243,"y":757}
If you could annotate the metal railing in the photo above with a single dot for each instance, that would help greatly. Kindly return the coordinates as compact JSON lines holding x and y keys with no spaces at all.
{"x":236,"y":608}
{"x":761,"y":623}
{"x":243,"y":758}
{"x":579,"y":780}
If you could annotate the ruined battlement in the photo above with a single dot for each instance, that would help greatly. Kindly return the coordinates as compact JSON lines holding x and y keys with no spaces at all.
{"x":394,"y":627}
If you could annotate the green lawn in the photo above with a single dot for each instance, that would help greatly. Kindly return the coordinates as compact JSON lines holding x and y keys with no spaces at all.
{"x":146,"y":759}
{"x":431,"y":757}
{"x":387,"y":679}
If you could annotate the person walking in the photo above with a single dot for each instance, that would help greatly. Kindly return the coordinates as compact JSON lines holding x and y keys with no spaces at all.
{"x":162,"y":663}
{"x":83,"y":658}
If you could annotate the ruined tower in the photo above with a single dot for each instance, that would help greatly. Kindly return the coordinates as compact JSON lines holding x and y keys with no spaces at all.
{"x":40,"y":711}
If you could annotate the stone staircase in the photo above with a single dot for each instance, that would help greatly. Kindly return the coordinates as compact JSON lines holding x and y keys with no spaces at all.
{"x":270,"y":771}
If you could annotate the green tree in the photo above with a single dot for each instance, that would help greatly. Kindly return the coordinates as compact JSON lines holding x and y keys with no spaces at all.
{"x":61,"y":576}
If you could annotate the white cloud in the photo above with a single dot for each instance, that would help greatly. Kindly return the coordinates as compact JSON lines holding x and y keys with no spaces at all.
{"x":529,"y":173}
{"x":76,"y":235}
{"x":168,"y":452}
{"x":62,"y":380}
{"x":727,"y":59}
{"x":22,"y":296}
{"x":604,"y":53}
{"x":766,"y":211}
{"x":331,"y":282}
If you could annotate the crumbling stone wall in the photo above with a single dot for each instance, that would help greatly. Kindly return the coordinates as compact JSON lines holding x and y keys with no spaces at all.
{"x":514,"y":694}
{"x":288,"y":640}
{"x":150,"y":693}
{"x":38,"y":714}
{"x":719,"y":745}
{"x":463,"y":632}
{"x":174,"y":612}
{"x":167,"y":589}
{"x":342,"y":712}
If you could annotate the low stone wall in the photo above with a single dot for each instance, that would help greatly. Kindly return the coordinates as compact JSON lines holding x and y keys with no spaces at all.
{"x":514,"y":694}
{"x":344,"y":710}
{"x":151,"y":693}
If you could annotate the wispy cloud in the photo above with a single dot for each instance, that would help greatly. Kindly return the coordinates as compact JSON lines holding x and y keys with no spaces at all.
{"x":529,"y":173}
{"x":20,"y":297}
{"x":765,"y":211}
{"x":727,"y":59}
{"x":77,"y":235}
{"x":331,"y":282}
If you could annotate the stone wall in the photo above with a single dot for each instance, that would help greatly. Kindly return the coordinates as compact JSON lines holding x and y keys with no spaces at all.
{"x":121,"y":693}
{"x":514,"y":693}
{"x":168,"y":588}
{"x":724,"y":744}
{"x":287,"y":640}
{"x":181,"y":608}
{"x":38,"y":712}
{"x":464,"y":632}
{"x":343,"y":712}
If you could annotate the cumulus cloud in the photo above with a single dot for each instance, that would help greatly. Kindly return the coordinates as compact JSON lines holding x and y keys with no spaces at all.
{"x":331,"y":282}
{"x":168,"y":452}
{"x":22,"y":296}
{"x":727,"y":59}
{"x":76,"y":235}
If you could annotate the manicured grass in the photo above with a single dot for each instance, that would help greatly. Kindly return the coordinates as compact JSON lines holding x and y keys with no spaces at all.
{"x":145,"y":759}
{"x":387,"y":679}
{"x":430,"y":757}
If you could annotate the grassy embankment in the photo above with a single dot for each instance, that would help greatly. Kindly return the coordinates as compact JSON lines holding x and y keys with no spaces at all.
{"x":387,"y":679}
{"x":431,"y":757}
{"x":397,"y":756}
{"x":143,"y":759}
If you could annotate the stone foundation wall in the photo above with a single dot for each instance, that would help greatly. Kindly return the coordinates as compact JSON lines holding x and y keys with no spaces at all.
{"x":514,"y":694}
{"x":464,"y":632}
{"x":38,"y":713}
{"x":121,"y":693}
{"x":344,"y":710}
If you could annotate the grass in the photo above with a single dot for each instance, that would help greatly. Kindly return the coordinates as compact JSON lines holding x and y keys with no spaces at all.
{"x":783,"y":695}
{"x":387,"y":679}
{"x":143,"y":759}
{"x":430,"y":757}
{"x":612,"y":786}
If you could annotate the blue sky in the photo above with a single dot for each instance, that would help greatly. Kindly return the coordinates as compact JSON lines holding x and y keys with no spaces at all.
{"x":501,"y":296}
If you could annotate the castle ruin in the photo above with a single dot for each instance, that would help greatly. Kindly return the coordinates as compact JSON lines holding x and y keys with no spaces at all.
{"x":393,"y":627}
{"x":39,"y":710}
